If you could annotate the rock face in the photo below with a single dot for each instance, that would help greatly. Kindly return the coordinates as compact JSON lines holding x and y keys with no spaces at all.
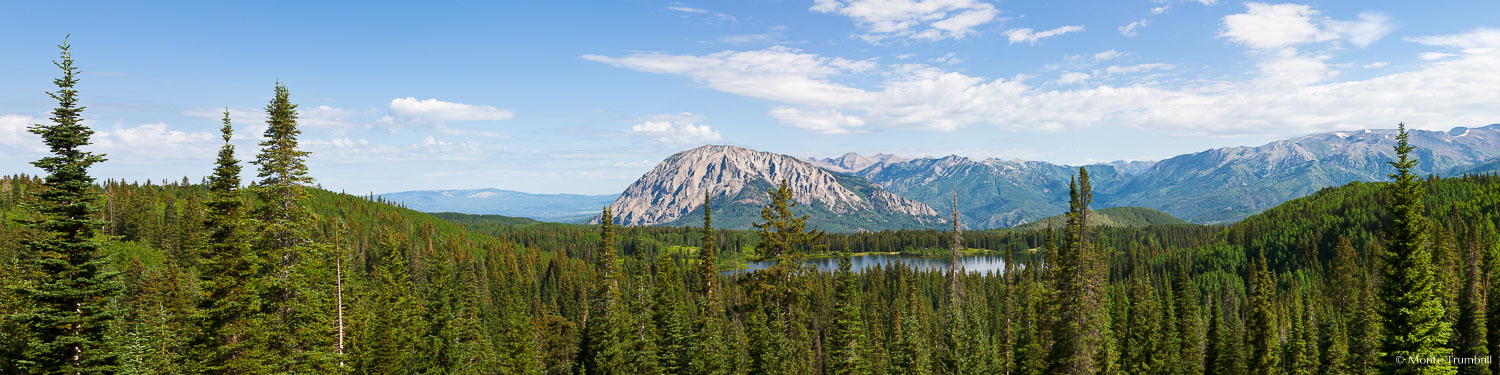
{"x":675,"y":188}
{"x":852,"y":162}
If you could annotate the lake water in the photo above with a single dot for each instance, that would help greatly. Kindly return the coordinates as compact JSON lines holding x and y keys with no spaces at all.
{"x":974,"y":263}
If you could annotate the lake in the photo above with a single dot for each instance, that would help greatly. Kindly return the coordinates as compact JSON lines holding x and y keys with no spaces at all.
{"x":974,"y":263}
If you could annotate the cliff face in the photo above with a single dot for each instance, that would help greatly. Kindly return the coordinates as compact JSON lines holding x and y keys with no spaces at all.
{"x":675,"y":188}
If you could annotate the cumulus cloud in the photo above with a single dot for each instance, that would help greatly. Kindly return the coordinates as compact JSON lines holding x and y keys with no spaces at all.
{"x":676,"y":129}
{"x":1276,"y":26}
{"x":438,"y":111}
{"x":14,"y":136}
{"x":142,"y":144}
{"x":1027,"y":35}
{"x":1288,"y":94}
{"x":1072,"y":78}
{"x":826,"y":121}
{"x":917,"y":20}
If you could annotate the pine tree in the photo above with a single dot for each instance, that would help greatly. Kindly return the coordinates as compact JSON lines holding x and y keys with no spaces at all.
{"x":1472,"y":325}
{"x":1144,"y":345}
{"x":909,"y":354}
{"x":783,"y":233}
{"x":1264,"y":339}
{"x":392,"y":323}
{"x":70,"y":298}
{"x":846,"y":338}
{"x":283,"y":237}
{"x":671,"y":319}
{"x":1190,"y":352}
{"x":228,"y":312}
{"x":1413,"y":314}
{"x":708,"y":344}
{"x":1079,"y":277}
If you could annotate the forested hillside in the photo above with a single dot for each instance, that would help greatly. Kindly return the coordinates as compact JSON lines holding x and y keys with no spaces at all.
{"x":276,"y":276}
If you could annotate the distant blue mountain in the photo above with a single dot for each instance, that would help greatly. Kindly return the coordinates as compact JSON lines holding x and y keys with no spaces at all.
{"x":564,"y":208}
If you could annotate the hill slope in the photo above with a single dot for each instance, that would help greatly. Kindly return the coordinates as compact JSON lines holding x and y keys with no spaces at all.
{"x":1114,"y":217}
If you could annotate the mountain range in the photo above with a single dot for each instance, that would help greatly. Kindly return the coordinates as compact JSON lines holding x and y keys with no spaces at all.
{"x":885,"y":191}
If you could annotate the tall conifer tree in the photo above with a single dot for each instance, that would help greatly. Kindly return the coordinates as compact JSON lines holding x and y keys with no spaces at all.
{"x":70,"y":299}
{"x":1079,"y":277}
{"x":229,"y":330}
{"x":1414,"y":315}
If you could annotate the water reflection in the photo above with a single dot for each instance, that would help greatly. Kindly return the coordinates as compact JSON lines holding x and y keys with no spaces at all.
{"x":858,"y":263}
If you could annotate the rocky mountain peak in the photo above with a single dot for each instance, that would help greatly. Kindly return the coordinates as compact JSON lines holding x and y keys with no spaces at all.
{"x":676,"y":186}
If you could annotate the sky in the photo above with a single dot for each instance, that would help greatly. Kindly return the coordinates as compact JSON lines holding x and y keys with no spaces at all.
{"x":584,"y":97}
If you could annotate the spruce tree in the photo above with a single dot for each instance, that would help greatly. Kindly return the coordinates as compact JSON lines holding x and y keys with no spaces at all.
{"x":846,"y":338}
{"x":284,"y":238}
{"x":71,"y":294}
{"x":1079,"y":277}
{"x":782,"y":232}
{"x":1261,"y":328}
{"x":228,"y":317}
{"x":1416,"y":334}
{"x":1472,"y":321}
{"x":708,"y":343}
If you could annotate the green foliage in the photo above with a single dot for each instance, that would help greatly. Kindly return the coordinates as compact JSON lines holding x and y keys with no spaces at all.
{"x":68,"y":295}
{"x":1413,"y":313}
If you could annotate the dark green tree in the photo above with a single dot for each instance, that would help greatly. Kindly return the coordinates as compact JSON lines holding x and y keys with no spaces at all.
{"x":1473,"y":341}
{"x":708,"y":347}
{"x":70,"y":298}
{"x":1079,"y":277}
{"x":1261,"y":327}
{"x":846,"y":340}
{"x":1413,"y":313}
{"x":228,"y":317}
{"x":782,"y":232}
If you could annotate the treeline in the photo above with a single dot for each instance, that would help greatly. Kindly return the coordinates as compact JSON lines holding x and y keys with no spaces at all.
{"x":278,"y":277}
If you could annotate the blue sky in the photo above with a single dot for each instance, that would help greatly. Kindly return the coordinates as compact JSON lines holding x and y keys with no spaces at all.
{"x":584,"y":97}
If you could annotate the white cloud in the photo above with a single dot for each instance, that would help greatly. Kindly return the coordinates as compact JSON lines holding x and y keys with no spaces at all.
{"x":1275,"y":26}
{"x":687,"y":9}
{"x":345,"y":150}
{"x":826,"y":121}
{"x":775,"y":34}
{"x":1072,"y":78}
{"x":1133,"y":28}
{"x":144,"y":143}
{"x":1370,"y":27}
{"x":1290,"y":68}
{"x":14,"y":136}
{"x":701,"y":11}
{"x":773,"y":73}
{"x":1430,"y":56}
{"x":437,"y":111}
{"x":676,"y":129}
{"x":1107,"y":55}
{"x":1286,"y":95}
{"x":1130,"y":69}
{"x":919,"y":20}
{"x":1375,"y":65}
{"x":1160,"y":9}
{"x":1026,"y":35}
{"x":1480,"y":41}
